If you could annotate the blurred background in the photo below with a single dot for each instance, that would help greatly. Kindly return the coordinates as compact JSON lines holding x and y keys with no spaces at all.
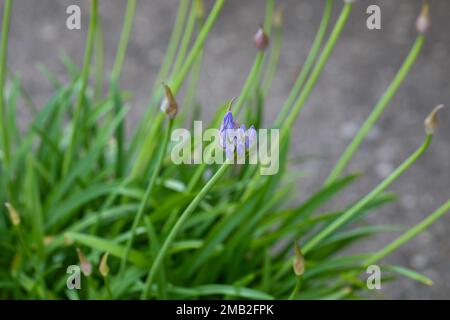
{"x":358,"y":72}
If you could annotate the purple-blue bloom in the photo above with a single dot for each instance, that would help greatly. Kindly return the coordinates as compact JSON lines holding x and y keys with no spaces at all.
{"x":235,"y":138}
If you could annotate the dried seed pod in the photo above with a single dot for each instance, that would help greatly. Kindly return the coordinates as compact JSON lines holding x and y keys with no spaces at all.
{"x":103,"y":267}
{"x":431,"y":122}
{"x":85,"y":265}
{"x":14,"y":216}
{"x":261,"y":39}
{"x":169,"y":105}
{"x":299,"y":261}
{"x":423,"y":20}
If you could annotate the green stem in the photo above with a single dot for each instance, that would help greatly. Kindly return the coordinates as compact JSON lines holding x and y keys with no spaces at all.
{"x":317,"y":43}
{"x":273,"y":61}
{"x":377,"y":111}
{"x":268,"y":19}
{"x":173,"y":44}
{"x":120,"y":131}
{"x":249,"y":83}
{"x":99,"y":53}
{"x":108,"y":287}
{"x":189,"y":100}
{"x":148,"y":192}
{"x":198,"y":45}
{"x":408,"y":235}
{"x":339,"y":222}
{"x":296,"y":289}
{"x":176,"y":228}
{"x":189,"y":29}
{"x":84,"y":79}
{"x":3,"y":71}
{"x":115,"y":77}
{"x":124,"y":37}
{"x":329,"y":46}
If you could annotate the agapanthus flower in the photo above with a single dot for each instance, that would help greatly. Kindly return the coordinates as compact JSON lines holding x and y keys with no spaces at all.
{"x":235,"y":138}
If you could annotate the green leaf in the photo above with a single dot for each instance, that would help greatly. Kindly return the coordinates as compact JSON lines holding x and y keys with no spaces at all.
{"x":113,"y":249}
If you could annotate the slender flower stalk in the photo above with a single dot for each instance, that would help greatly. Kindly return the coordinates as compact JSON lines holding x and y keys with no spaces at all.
{"x":84,"y":77}
{"x":176,"y":228}
{"x":124,"y":38}
{"x":115,"y":77}
{"x":99,"y":55}
{"x":275,"y":52}
{"x":174,"y":41}
{"x":148,"y":192}
{"x":187,"y":36}
{"x":309,"y":63}
{"x":315,"y":73}
{"x":350,"y":213}
{"x":377,"y":111}
{"x":408,"y":235}
{"x":3,"y":57}
{"x":196,"y":48}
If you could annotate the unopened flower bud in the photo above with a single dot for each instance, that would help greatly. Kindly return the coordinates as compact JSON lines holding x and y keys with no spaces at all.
{"x":169,"y":105}
{"x":103,"y":267}
{"x":431,"y":122}
{"x":299,"y":261}
{"x":14,"y":216}
{"x":278,"y":17}
{"x":85,"y":265}
{"x":423,"y":21}
{"x":261,"y":39}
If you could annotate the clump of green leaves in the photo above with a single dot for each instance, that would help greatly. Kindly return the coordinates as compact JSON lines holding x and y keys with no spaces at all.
{"x":78,"y":191}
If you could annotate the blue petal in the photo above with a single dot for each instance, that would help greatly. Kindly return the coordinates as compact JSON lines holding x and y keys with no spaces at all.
{"x":251,"y":137}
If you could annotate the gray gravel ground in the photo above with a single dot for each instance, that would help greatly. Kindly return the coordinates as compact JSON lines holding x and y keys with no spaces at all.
{"x":357,"y":74}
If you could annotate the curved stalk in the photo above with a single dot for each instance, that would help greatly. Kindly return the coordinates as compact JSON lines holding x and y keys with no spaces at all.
{"x":176,"y":228}
{"x":377,"y":111}
{"x":3,"y":70}
{"x":124,"y":37}
{"x":84,"y":77}
{"x":317,"y":43}
{"x":148,"y":192}
{"x":408,"y":235}
{"x":312,"y":80}
{"x":339,"y":222}
{"x":189,"y":29}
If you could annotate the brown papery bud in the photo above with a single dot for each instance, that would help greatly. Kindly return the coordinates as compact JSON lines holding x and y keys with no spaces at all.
{"x":431,"y":122}
{"x":169,"y":105}
{"x":278,"y":17}
{"x":85,"y":265}
{"x":423,"y":21}
{"x":261,"y":39}
{"x":14,"y":216}
{"x":103,"y":267}
{"x":299,"y":261}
